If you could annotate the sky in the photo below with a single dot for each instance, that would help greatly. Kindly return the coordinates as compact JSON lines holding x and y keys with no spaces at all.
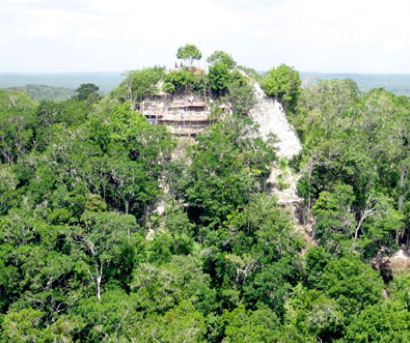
{"x":351,"y":36}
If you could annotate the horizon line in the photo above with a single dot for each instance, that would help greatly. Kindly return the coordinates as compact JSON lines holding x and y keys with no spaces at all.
{"x":124,"y":71}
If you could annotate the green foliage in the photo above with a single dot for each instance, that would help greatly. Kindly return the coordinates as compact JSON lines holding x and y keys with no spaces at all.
{"x":335,"y":221}
{"x":23,"y":326}
{"x":86,"y":90}
{"x":46,"y":93}
{"x":219,"y":78}
{"x":250,"y":72}
{"x":8,"y":184}
{"x":70,"y":113}
{"x":184,"y":81}
{"x":283,"y":83}
{"x":353,"y":284}
{"x":105,"y":238}
{"x":240,"y":94}
{"x":160,"y":288}
{"x":314,"y":315}
{"x":181,"y":324}
{"x":189,"y":52}
{"x":15,"y":101}
{"x":338,"y":291}
{"x":251,"y":326}
{"x":380,"y":323}
{"x":101,"y":240}
{"x":138,"y":85}
{"x":226,"y":168}
{"x":17,"y":122}
{"x":222,"y":57}
{"x":130,"y":158}
{"x":111,"y":317}
{"x":360,"y":144}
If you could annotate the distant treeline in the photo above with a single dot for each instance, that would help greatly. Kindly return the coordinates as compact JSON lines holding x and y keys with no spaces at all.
{"x":41,"y":92}
{"x":106,"y":81}
{"x":398,"y":84}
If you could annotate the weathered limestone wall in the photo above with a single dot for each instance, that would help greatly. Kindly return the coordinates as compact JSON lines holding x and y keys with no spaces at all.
{"x":271,"y":117}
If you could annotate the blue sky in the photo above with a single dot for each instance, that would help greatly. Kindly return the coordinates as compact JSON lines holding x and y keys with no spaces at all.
{"x":359,"y":36}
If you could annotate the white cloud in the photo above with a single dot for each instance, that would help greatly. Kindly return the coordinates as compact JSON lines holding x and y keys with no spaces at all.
{"x":332,"y":35}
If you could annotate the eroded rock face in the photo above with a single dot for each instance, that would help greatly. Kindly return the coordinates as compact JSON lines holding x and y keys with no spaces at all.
{"x":271,"y":117}
{"x":393,"y":266}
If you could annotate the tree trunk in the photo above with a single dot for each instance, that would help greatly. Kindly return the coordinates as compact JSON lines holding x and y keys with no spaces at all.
{"x":402,"y":184}
{"x":98,"y":279}
{"x":356,"y":233}
{"x":367,"y":212}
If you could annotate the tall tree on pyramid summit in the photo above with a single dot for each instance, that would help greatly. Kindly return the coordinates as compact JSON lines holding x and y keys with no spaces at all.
{"x":189,"y":53}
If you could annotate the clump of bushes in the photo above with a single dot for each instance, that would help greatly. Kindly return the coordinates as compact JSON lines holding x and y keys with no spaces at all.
{"x":185,"y":81}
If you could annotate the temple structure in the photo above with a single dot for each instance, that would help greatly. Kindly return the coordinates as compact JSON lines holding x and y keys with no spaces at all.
{"x":183,"y":115}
